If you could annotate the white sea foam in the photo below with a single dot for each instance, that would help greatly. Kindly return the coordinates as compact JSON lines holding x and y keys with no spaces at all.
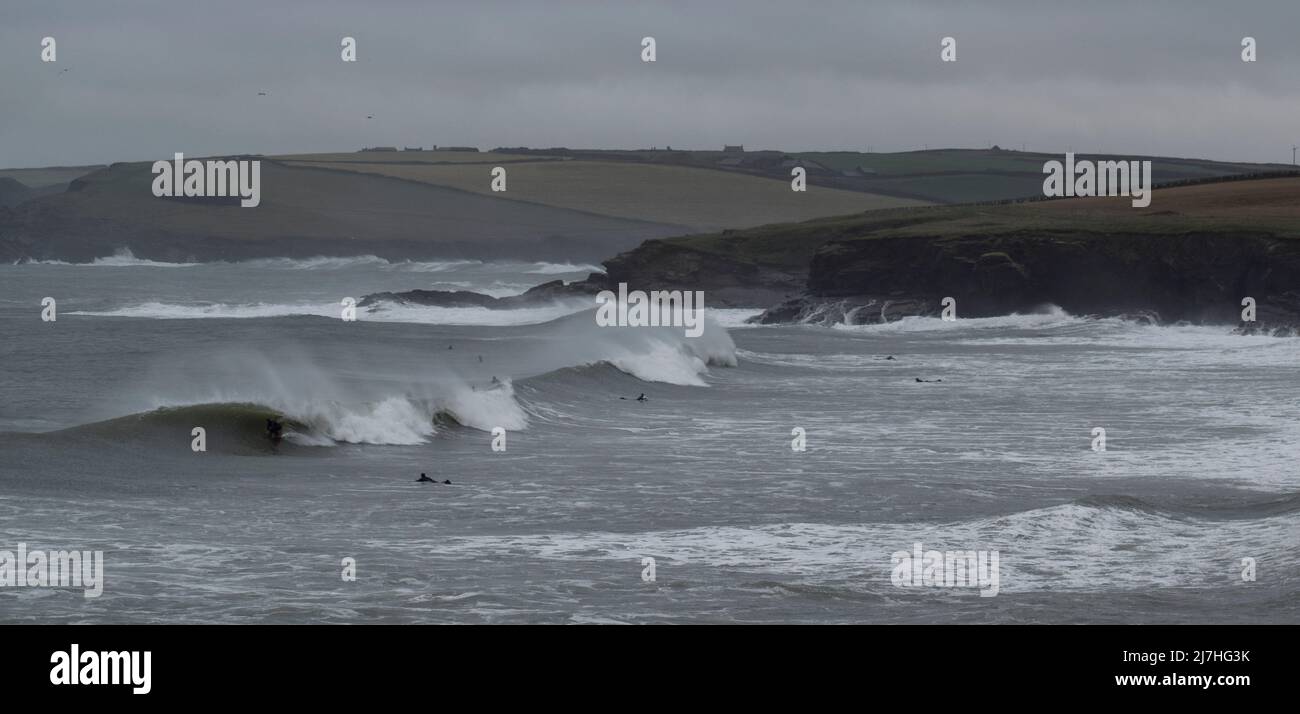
{"x":485,"y":409}
{"x":1051,"y":316}
{"x":387,"y":312}
{"x":655,"y":354}
{"x":172,"y":311}
{"x":732,"y":318}
{"x":434,"y":315}
{"x":386,"y":402}
{"x":124,"y":257}
{"x":1072,"y":547}
{"x":561,"y":268}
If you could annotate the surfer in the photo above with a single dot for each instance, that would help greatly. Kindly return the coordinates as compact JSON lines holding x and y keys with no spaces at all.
{"x":642,"y":398}
{"x":927,"y":381}
{"x":425,"y":479}
{"x":273,"y":429}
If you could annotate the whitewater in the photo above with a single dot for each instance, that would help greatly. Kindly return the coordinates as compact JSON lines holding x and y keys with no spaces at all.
{"x":550,"y":523}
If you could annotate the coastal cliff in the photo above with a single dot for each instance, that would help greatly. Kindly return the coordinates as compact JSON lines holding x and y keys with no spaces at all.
{"x":1194,"y":255}
{"x":1196,"y":277}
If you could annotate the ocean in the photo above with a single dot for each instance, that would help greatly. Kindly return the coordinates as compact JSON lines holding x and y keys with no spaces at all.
{"x":1198,"y":484}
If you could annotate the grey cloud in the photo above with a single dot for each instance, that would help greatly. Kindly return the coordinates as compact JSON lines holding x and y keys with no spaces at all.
{"x":150,"y":78}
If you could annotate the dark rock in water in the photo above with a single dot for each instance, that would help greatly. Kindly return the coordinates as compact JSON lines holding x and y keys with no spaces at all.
{"x":1160,"y":279}
{"x":727,"y":280}
{"x":441,"y":298}
{"x":655,"y":265}
{"x":1258,"y":328}
{"x":546,"y":293}
{"x":560,"y":290}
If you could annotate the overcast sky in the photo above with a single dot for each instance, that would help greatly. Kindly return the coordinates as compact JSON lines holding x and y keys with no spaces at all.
{"x":148,"y":79}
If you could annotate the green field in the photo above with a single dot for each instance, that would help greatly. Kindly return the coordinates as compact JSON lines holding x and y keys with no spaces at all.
{"x":1247,"y":207}
{"x":407,"y":157}
{"x":970,"y":175}
{"x":39,"y":178}
{"x":697,"y":198}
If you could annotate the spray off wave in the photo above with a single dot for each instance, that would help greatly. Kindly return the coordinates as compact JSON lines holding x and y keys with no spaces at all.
{"x":652,"y":354}
{"x":395,"y":420}
{"x":406,"y":398}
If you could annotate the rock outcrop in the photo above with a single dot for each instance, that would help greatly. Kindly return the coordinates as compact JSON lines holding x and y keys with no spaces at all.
{"x":1196,"y":277}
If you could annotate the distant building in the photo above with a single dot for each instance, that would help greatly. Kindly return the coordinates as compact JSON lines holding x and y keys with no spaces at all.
{"x":733,"y":149}
{"x":412,"y":148}
{"x":379,"y":148}
{"x":455,"y":148}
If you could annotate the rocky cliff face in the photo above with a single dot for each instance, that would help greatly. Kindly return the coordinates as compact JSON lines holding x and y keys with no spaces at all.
{"x":1199,"y":277}
{"x":671,"y":265}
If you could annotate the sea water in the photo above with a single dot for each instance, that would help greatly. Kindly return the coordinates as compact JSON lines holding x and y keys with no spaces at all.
{"x":98,"y":409}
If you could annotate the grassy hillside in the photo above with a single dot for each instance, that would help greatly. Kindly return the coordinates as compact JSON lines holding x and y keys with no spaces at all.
{"x":1269,"y":206}
{"x":411,"y":157}
{"x":306,"y":211}
{"x":963,"y":176}
{"x":935,"y":176}
{"x":50,"y":176}
{"x":702,"y":198}
{"x":593,"y":203}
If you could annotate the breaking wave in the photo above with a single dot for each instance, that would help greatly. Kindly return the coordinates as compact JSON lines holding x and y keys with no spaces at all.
{"x":124,"y":258}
